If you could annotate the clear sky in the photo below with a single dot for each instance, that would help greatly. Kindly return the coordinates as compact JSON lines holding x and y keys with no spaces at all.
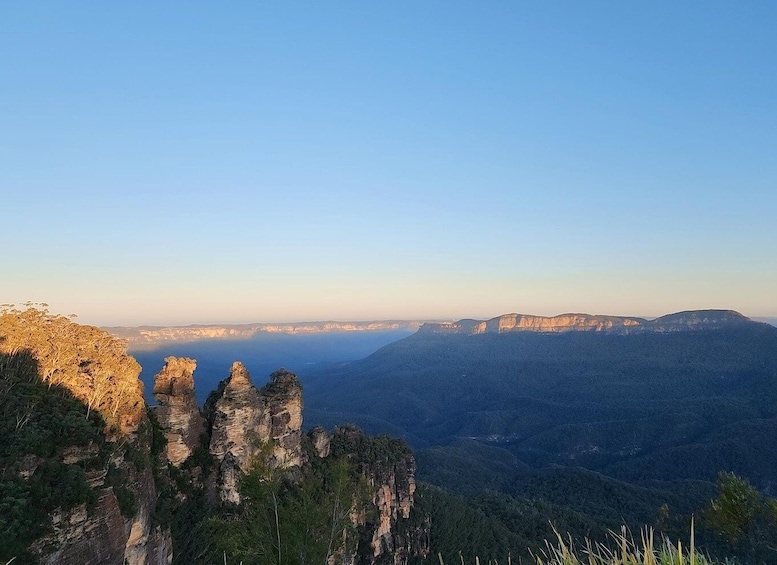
{"x":182,"y":162}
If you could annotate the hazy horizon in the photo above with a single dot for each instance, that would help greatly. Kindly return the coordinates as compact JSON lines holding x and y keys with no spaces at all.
{"x":768,"y":319}
{"x":170,"y":164}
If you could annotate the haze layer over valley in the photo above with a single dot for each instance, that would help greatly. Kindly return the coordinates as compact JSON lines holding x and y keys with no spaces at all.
{"x":262,"y":347}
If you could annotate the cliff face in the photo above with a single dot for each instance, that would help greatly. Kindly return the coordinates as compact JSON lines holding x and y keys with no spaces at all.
{"x":283,"y":397}
{"x":699,"y":320}
{"x":247,"y":423}
{"x":90,"y":486}
{"x":523,"y":322}
{"x":145,"y":336}
{"x":394,"y":484}
{"x":681,"y":321}
{"x":177,"y":410}
{"x":388,"y":467}
{"x":108,"y":533}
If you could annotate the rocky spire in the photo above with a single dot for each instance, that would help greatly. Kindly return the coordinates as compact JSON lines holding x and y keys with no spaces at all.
{"x":247,"y":424}
{"x":177,"y":410}
{"x":283,"y":395}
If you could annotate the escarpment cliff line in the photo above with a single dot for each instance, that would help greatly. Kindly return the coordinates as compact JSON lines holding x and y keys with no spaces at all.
{"x":506,"y":323}
{"x":149,"y":336}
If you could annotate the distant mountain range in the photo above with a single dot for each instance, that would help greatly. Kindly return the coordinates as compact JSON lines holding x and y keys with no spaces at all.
{"x":140,"y":337}
{"x":680,"y":321}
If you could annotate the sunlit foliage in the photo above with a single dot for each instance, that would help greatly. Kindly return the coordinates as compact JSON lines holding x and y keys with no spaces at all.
{"x":90,"y":363}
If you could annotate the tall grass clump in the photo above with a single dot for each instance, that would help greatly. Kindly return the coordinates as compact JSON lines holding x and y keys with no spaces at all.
{"x":622,"y":550}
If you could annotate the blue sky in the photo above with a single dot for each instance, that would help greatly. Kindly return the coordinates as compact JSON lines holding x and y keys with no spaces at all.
{"x":193,"y":162}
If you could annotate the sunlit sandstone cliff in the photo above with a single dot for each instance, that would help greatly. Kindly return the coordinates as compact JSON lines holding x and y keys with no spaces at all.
{"x":93,"y":368}
{"x":147,"y":336}
{"x":681,"y":321}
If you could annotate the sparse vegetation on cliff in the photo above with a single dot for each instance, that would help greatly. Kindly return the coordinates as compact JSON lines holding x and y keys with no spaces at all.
{"x":74,"y":461}
{"x":90,"y":363}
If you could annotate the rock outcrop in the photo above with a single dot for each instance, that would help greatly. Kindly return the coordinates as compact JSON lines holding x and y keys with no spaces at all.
{"x":394,"y":483}
{"x":101,"y":473}
{"x":104,"y":534}
{"x":681,"y":321}
{"x":177,"y":411}
{"x":106,"y":491}
{"x":283,"y":397}
{"x":321,"y":441}
{"x":388,"y":467}
{"x":698,"y":320}
{"x":248,"y":425}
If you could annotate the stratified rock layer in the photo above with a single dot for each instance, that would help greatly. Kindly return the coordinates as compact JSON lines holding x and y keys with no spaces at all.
{"x":177,"y":410}
{"x":681,"y":321}
{"x":250,"y":425}
{"x":283,"y":396}
{"x":83,"y":366}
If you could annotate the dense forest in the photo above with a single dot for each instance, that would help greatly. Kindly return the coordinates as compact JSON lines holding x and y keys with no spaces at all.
{"x":588,"y":431}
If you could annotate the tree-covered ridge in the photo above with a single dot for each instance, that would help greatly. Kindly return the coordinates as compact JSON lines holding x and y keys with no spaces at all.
{"x":90,"y":363}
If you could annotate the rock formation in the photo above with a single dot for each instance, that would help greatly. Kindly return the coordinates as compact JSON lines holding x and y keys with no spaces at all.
{"x":283,"y":396}
{"x":249,"y":425}
{"x":321,"y":441}
{"x":681,"y":321}
{"x":103,"y":534}
{"x":698,"y":320}
{"x":388,"y":467}
{"x":112,"y":495}
{"x":177,"y":410}
{"x":104,"y":468}
{"x":394,"y":484}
